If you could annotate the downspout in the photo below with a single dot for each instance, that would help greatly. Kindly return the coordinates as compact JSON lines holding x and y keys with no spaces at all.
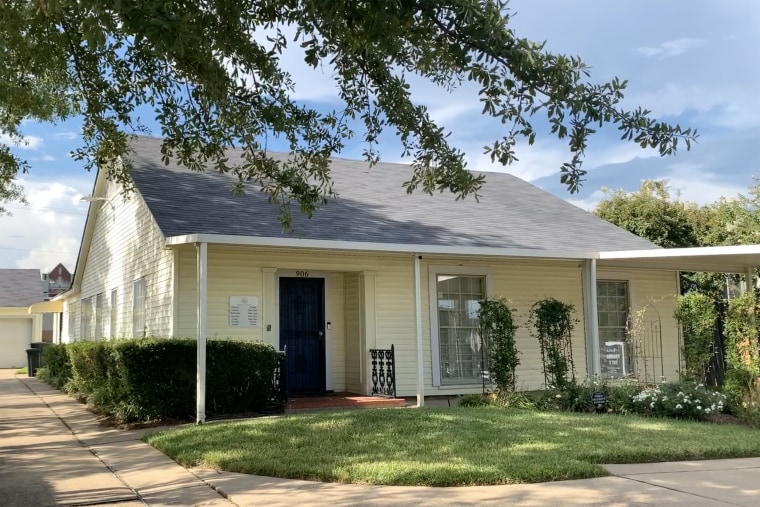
{"x":200,"y":400}
{"x":418,"y":312}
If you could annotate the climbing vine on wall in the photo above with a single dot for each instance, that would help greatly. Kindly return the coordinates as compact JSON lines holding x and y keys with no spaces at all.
{"x":697,"y":315}
{"x":552,"y":323}
{"x":497,"y":331}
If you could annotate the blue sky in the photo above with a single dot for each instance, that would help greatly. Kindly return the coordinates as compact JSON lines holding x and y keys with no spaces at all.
{"x":693,"y":63}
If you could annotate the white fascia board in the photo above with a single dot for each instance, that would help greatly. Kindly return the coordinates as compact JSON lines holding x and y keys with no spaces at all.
{"x":316,"y":244}
{"x":695,"y":252}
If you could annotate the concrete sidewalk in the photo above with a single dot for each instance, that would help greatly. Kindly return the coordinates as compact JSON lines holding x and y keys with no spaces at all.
{"x":54,"y":452}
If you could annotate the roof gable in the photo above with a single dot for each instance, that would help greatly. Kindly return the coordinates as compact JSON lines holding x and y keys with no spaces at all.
{"x":373,"y":207}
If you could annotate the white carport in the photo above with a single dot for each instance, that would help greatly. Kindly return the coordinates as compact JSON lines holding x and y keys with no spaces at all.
{"x":741,"y":259}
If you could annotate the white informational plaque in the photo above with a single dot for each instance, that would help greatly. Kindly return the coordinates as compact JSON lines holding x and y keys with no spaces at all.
{"x":244,"y":311}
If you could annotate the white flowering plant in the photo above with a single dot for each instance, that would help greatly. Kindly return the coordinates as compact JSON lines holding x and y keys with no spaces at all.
{"x":683,"y":400}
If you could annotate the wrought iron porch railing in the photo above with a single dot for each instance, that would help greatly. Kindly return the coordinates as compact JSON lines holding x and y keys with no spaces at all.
{"x":383,"y":372}
{"x":278,"y":395}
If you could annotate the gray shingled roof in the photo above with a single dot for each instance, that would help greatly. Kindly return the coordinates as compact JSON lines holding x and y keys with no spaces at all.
{"x":373,"y":207}
{"x":20,"y":287}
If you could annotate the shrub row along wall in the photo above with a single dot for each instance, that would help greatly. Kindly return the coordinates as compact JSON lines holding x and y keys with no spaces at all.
{"x":152,"y":379}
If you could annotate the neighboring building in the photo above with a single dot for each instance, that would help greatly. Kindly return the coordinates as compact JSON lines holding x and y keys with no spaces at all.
{"x":19,"y":288}
{"x":374,"y":268}
{"x":58,"y":280}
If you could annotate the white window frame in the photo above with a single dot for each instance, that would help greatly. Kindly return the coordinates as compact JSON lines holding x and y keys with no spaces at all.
{"x":114,"y":314}
{"x":98,"y":329}
{"x":71,"y":308}
{"x":615,"y":277}
{"x":435,"y":349}
{"x":85,"y":322}
{"x":138,"y":307}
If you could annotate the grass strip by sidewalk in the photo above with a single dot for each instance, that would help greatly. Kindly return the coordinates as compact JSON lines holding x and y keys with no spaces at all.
{"x":447,"y":447}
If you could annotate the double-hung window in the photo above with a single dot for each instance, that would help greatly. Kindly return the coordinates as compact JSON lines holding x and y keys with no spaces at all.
{"x":114,"y":313}
{"x":612,"y":298}
{"x":86,"y":319}
{"x":455,"y":301}
{"x":99,"y":308}
{"x":138,"y":308}
{"x":72,"y":310}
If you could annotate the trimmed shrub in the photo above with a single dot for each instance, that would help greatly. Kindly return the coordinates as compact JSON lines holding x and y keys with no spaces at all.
{"x":57,"y":369}
{"x":239,"y":376}
{"x":155,"y":378}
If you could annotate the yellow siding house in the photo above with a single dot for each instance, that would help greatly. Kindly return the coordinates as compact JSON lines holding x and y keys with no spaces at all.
{"x":375,"y":267}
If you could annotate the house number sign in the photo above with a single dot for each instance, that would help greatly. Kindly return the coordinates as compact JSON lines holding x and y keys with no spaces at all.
{"x":244,"y":311}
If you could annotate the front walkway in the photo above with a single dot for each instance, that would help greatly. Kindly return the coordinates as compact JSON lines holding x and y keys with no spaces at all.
{"x":54,"y":452}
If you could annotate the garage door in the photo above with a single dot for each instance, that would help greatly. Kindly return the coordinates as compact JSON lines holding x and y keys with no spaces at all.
{"x":15,"y":336}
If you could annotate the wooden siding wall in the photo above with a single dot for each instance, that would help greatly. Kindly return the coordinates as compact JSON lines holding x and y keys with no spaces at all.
{"x":352,"y":302}
{"x":235,"y":271}
{"x":126,"y":245}
{"x":522,"y":283}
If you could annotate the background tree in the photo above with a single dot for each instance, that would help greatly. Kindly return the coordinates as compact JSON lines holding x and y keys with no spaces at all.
{"x":210,"y":73}
{"x":652,"y":213}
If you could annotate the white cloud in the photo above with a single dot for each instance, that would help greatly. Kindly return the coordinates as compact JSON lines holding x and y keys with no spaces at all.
{"x":66,"y":135}
{"x":48,"y":230}
{"x":672,"y":48}
{"x":23,"y":143}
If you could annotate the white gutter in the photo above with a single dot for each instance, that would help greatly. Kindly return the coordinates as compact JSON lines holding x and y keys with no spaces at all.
{"x":418,"y":314}
{"x":695,"y":252}
{"x":200,"y":399}
{"x":220,"y":239}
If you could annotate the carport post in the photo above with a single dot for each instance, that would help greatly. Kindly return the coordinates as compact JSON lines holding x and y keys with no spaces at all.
{"x":200,"y":400}
{"x":591,"y":314}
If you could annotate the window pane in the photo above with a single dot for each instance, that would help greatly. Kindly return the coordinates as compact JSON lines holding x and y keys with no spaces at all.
{"x":612,"y":308}
{"x":461,"y":357}
{"x":114,"y":313}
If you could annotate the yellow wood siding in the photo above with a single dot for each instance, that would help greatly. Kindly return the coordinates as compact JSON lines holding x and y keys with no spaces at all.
{"x":352,"y":305}
{"x":127,"y":245}
{"x":522,"y":283}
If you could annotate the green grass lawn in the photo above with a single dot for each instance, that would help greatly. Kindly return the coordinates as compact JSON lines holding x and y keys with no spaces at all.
{"x":447,"y":447}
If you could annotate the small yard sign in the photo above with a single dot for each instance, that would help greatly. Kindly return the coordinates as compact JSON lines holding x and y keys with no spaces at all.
{"x":599,"y":400}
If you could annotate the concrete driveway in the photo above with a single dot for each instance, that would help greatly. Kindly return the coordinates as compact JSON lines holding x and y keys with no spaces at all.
{"x":54,"y":452}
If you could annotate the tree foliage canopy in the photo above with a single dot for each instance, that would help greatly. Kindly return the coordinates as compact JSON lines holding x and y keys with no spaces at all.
{"x":210,"y":71}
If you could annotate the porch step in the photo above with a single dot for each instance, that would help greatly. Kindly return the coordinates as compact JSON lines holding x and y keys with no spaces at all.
{"x":339,"y":401}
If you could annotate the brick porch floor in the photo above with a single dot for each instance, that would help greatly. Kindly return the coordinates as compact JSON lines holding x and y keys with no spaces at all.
{"x":339,"y":401}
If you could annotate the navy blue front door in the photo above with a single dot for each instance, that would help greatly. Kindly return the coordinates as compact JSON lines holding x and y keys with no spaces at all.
{"x":302,"y":331}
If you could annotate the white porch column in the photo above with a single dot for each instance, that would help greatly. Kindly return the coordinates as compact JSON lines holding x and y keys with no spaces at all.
{"x":418,"y":312}
{"x":200,"y":401}
{"x":591,"y":317}
{"x":57,"y":327}
{"x":269,"y":317}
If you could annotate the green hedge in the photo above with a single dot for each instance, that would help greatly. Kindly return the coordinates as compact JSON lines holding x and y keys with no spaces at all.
{"x":153,"y":378}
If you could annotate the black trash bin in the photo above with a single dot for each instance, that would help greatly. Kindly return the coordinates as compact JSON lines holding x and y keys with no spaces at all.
{"x":32,"y":361}
{"x":41,"y":347}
